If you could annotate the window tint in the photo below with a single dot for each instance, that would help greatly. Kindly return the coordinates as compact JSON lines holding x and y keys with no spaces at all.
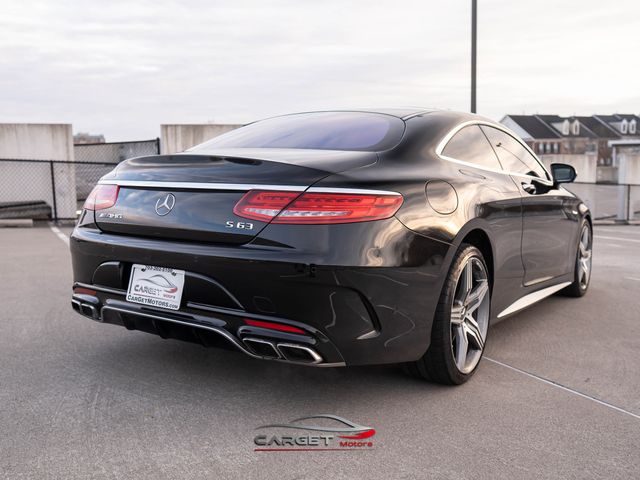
{"x":470,"y":145}
{"x":513,"y":155}
{"x":322,"y":130}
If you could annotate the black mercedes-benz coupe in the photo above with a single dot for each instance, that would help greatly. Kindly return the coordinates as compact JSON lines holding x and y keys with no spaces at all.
{"x":335,"y":238}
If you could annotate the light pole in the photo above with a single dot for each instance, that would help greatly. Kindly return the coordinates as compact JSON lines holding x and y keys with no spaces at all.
{"x":474,"y":33}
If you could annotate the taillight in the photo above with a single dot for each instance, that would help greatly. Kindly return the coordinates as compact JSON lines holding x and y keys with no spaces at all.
{"x":316,"y":208}
{"x":101,"y":197}
{"x":263,"y":205}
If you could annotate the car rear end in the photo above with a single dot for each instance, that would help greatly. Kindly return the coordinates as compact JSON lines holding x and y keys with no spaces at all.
{"x":254,"y":249}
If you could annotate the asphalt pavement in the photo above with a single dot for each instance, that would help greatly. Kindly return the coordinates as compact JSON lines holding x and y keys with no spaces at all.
{"x":557,"y":396}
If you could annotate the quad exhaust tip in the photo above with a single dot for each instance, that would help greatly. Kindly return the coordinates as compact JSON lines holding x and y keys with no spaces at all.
{"x":290,"y":352}
{"x":264,"y":348}
{"x":85,"y":309}
{"x":299,"y":353}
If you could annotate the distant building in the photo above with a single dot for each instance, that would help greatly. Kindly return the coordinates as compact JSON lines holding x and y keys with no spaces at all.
{"x":83,"y":138}
{"x":578,"y":140}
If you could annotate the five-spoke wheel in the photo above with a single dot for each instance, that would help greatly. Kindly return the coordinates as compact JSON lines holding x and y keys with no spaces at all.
{"x":584,"y":257}
{"x":461,"y":322}
{"x":470,"y":315}
{"x":582,"y":271}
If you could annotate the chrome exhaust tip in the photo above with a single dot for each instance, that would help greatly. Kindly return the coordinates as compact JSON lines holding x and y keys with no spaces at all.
{"x":86,"y":309}
{"x":75,"y":304}
{"x":89,"y":310}
{"x":262,"y":348}
{"x":298,"y":353}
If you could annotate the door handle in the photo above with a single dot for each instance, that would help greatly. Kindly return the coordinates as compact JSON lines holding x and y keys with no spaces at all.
{"x":529,"y":188}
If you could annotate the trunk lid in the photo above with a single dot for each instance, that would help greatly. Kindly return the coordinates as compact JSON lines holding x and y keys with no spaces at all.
{"x":191,"y":197}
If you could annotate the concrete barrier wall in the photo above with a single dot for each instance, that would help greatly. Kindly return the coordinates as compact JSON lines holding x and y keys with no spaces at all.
{"x":178,"y":138}
{"x":32,"y":181}
{"x":629,"y":163}
{"x":585,"y":165}
{"x":38,"y":141}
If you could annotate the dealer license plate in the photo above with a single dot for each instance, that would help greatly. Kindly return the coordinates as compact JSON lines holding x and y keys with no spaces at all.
{"x":156,"y":286}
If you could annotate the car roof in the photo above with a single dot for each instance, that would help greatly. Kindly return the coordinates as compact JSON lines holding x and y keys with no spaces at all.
{"x":400,"y":112}
{"x":406,"y":113}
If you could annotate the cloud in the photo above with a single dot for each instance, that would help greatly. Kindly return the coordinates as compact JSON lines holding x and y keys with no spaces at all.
{"x":123,"y":67}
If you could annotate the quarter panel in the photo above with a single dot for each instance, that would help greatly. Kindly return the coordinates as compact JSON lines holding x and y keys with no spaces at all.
{"x":486,"y":200}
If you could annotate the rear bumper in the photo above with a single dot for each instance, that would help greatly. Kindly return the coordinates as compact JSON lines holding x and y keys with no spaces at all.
{"x":353,"y":312}
{"x":208,"y":330}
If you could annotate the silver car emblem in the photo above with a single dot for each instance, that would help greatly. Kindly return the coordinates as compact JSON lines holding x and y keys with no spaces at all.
{"x":165,"y":205}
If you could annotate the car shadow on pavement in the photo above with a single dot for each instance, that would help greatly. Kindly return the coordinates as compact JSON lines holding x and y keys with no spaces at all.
{"x":143,"y":362}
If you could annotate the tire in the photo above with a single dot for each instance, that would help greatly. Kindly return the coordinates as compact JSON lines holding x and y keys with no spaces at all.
{"x":462,"y":315}
{"x":582,"y":265}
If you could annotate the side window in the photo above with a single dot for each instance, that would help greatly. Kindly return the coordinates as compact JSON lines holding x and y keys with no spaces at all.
{"x":470,"y":145}
{"x":513,"y":155}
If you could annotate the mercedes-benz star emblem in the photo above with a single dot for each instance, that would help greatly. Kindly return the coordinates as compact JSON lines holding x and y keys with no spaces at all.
{"x":165,"y":204}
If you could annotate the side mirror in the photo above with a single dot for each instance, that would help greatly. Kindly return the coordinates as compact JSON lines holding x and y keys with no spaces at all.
{"x":563,"y":173}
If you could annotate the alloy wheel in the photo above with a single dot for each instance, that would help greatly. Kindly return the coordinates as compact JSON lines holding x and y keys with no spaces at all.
{"x":584,"y":258}
{"x":470,"y":315}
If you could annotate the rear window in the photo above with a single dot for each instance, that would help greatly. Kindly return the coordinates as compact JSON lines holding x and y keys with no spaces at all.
{"x":323,"y":131}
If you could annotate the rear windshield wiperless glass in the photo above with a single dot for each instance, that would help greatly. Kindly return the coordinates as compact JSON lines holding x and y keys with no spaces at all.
{"x":324,"y":131}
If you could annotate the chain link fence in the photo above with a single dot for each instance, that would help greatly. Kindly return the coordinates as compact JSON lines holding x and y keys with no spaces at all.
{"x":619,"y":202}
{"x":51,"y":189}
{"x":91,"y":156}
{"x":115,"y":152}
{"x":55,"y":189}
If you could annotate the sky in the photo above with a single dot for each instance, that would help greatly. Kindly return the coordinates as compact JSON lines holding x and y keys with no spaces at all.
{"x":122,"y":68}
